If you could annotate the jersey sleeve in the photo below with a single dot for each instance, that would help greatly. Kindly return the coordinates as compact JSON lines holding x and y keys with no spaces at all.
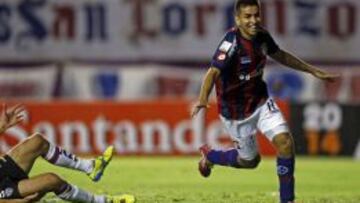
{"x":224,"y":51}
{"x":271,"y":45}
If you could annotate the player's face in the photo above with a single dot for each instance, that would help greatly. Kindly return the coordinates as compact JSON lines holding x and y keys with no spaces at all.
{"x":248,"y":20}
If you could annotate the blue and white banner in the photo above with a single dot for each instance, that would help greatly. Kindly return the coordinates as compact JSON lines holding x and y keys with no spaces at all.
{"x":168,"y":30}
{"x":36,"y":83}
{"x":142,"y":82}
{"x":92,"y":82}
{"x":131,"y":82}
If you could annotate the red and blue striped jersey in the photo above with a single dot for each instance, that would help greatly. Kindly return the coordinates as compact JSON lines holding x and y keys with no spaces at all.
{"x":240,"y":88}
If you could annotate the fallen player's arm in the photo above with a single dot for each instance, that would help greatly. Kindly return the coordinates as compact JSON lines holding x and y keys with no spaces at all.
{"x":291,"y":61}
{"x":27,"y":199}
{"x":12,"y":201}
{"x":10,"y":117}
{"x":15,"y":201}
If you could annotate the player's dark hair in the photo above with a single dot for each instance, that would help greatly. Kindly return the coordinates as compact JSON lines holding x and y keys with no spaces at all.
{"x":240,"y":3}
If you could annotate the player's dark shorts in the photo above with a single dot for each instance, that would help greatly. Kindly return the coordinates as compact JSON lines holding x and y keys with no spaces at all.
{"x":10,"y":175}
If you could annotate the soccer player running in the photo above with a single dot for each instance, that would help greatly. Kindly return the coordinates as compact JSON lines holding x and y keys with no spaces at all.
{"x":15,"y":165}
{"x":243,"y":101}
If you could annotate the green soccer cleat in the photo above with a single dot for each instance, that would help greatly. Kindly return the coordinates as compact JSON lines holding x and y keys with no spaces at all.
{"x":121,"y":199}
{"x":100,"y":164}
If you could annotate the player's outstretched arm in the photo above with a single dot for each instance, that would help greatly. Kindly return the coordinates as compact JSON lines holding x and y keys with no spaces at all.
{"x":10,"y":116}
{"x":293,"y":62}
{"x":206,"y":87}
{"x":27,"y":199}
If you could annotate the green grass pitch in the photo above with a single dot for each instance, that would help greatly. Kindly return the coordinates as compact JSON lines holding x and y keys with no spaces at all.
{"x":176,"y":180}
